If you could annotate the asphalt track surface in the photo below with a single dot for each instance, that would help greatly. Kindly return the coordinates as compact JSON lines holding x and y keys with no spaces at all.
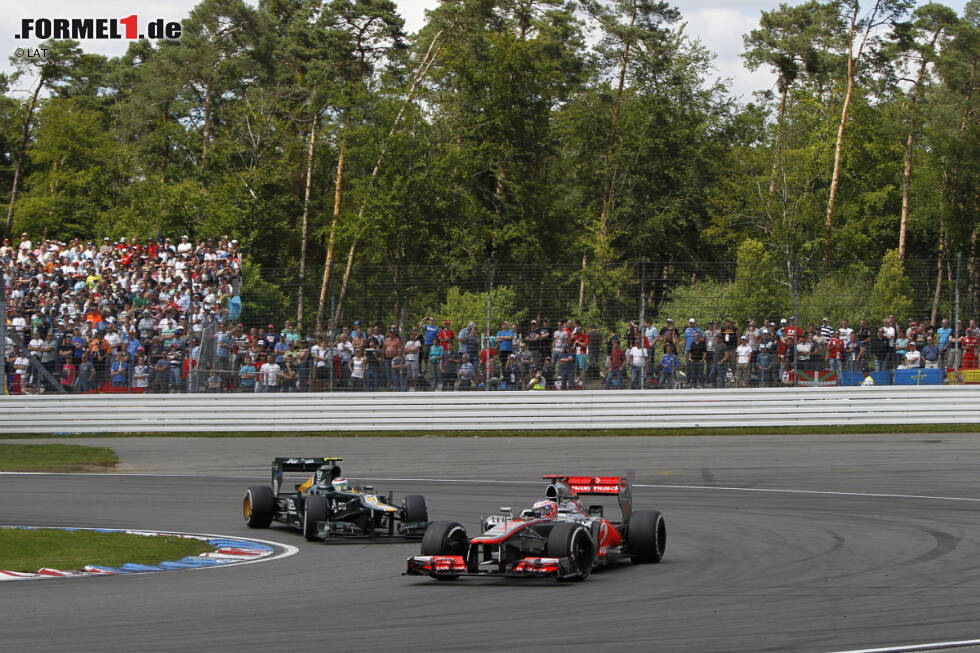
{"x":795,"y":543}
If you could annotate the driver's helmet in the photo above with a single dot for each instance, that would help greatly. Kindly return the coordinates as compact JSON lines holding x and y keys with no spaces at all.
{"x":340,"y":484}
{"x":545,"y":509}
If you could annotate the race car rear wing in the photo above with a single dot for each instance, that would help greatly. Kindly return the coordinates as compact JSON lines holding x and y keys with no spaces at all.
{"x":294,"y":464}
{"x":619,"y":486}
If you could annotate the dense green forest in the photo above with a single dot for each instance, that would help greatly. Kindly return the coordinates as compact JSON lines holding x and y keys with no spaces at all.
{"x":580,"y":136}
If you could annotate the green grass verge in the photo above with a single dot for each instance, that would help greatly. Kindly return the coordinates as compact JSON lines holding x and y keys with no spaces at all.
{"x":30,"y":550}
{"x":756,"y":430}
{"x":55,"y":458}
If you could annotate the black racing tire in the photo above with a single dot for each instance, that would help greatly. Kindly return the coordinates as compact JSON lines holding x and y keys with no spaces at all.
{"x":315,"y":510}
{"x":414,"y":508}
{"x":573,"y":541}
{"x":445,"y":538}
{"x":258,"y":506}
{"x":646,"y":536}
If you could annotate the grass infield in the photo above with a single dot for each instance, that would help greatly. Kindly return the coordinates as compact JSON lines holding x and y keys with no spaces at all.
{"x":55,"y":458}
{"x":757,"y":430}
{"x":30,"y":550}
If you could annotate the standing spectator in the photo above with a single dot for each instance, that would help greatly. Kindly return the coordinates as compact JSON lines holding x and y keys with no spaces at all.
{"x":435,"y":364}
{"x":246,"y":375}
{"x":413,"y":346}
{"x":835,"y":355}
{"x":804,"y":350}
{"x":902,"y":342}
{"x":943,"y":336}
{"x":690,"y":334}
{"x":448,"y":368}
{"x":617,"y":359}
{"x":558,"y":340}
{"x":374,"y":362}
{"x":446,"y":336}
{"x":505,"y":342}
{"x":390,"y":349}
{"x":525,"y":361}
{"x":668,"y":367}
{"x":930,"y":354}
{"x":141,"y":372}
{"x":764,"y":362}
{"x":533,"y":340}
{"x":826,"y":330}
{"x":357,"y":367}
{"x":544,"y":336}
{"x":469,"y":341}
{"x":854,"y":353}
{"x":512,"y":373}
{"x":881,"y":351}
{"x":119,"y":369}
{"x":429,"y":331}
{"x":719,"y":362}
{"x":537,"y":382}
{"x":969,"y":344}
{"x":845,"y":331}
{"x":637,"y":357}
{"x":743,"y":363}
{"x":269,"y":376}
{"x":304,"y":370}
{"x":580,"y":347}
{"x":466,"y":373}
{"x":566,"y":367}
{"x":399,"y":371}
{"x":788,"y":376}
{"x":695,"y":361}
{"x":176,"y":360}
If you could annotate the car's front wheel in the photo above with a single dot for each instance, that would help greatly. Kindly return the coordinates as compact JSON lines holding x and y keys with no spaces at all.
{"x":258,"y":506}
{"x":314,"y":511}
{"x":573,"y":542}
{"x":445,"y":538}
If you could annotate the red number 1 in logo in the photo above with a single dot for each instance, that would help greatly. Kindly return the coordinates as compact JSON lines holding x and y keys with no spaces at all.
{"x":130,"y":23}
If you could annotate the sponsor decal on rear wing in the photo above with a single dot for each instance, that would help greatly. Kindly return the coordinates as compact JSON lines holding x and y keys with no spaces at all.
{"x":295,"y":464}
{"x":590,"y":484}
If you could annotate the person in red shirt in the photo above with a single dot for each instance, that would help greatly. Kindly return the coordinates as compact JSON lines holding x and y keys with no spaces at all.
{"x":835,"y":354}
{"x":446,"y":336}
{"x":969,"y":344}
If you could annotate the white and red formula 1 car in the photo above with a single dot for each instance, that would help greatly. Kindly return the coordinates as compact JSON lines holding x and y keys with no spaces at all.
{"x":557,"y":537}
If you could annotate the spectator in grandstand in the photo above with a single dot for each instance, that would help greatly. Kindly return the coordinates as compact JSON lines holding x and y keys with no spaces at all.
{"x":668,"y":367}
{"x":931,"y":355}
{"x":695,"y":361}
{"x":743,"y":363}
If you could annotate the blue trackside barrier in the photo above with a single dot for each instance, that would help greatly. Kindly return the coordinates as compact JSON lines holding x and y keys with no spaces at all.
{"x":882,"y":378}
{"x":851,"y":378}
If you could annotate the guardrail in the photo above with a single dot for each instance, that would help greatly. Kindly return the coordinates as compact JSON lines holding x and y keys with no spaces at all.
{"x":435,"y":411}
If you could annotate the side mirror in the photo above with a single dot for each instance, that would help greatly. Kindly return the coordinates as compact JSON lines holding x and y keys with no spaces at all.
{"x":595,"y":510}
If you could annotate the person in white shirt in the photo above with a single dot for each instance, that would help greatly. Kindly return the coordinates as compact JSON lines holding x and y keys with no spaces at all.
{"x":185,"y":246}
{"x":411,"y":348}
{"x":913,"y":358}
{"x":743,"y":360}
{"x":269,"y":377}
{"x":637,"y":357}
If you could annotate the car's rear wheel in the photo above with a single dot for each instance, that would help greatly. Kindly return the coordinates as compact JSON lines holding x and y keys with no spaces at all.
{"x":258,"y":506}
{"x":414,"y":508}
{"x":647,"y":536}
{"x":574,"y":542}
{"x":445,"y":538}
{"x":314,"y":511}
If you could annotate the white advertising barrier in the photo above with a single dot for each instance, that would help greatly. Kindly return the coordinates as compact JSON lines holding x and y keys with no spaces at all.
{"x":477,"y":410}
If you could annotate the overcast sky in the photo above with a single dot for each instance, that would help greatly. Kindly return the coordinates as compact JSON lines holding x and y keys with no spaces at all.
{"x":719,"y":24}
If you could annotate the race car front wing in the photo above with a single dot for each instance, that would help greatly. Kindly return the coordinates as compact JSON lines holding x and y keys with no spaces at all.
{"x":449,"y":566}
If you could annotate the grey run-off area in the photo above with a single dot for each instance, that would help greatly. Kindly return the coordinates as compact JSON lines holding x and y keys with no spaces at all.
{"x":782,"y":543}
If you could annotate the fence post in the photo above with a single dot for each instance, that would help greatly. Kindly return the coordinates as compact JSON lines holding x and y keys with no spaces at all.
{"x":796,"y":320}
{"x":486,"y":366}
{"x":956,"y":323}
{"x":643,"y":290}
